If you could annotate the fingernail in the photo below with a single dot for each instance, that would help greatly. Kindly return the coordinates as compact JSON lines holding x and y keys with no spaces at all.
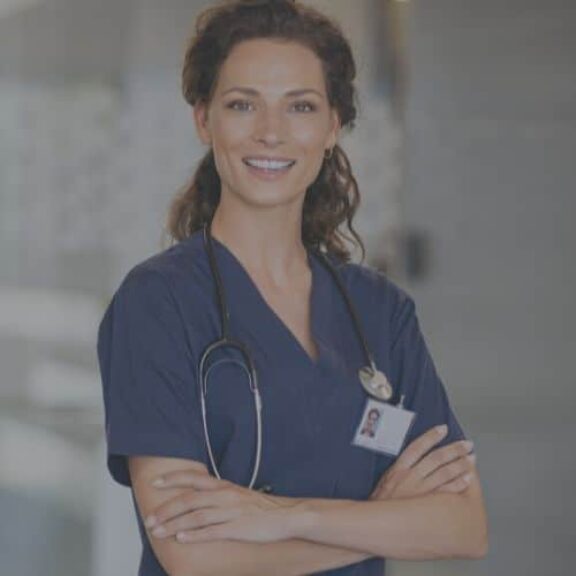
{"x":469,"y":444}
{"x":467,"y":477}
{"x":160,"y":531}
{"x":442,"y":429}
{"x":181,"y":537}
{"x":159,"y":482}
{"x":471,"y":457}
{"x":150,"y":521}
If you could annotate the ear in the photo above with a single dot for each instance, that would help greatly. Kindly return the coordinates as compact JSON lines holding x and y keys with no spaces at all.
{"x":202,"y":124}
{"x":335,"y":131}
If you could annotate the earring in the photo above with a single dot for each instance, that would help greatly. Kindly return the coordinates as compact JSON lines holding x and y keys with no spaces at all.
{"x":331,"y":151}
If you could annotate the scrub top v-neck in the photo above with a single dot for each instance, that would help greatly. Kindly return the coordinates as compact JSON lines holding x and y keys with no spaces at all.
{"x":297,"y":393}
{"x":163,"y":316}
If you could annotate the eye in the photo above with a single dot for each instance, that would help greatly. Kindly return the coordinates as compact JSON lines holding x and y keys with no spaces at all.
{"x":304,"y":103}
{"x":235,"y":103}
{"x":242,"y":106}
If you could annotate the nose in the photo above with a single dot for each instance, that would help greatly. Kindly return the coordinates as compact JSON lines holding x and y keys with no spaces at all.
{"x":270,"y":126}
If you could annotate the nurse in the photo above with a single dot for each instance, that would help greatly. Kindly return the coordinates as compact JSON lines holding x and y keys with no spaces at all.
{"x":271,"y":86}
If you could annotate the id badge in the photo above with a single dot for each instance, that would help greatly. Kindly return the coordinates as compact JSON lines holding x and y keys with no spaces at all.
{"x":383,"y":427}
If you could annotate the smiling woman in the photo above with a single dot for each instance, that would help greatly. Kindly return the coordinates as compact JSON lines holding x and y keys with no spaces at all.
{"x":258,"y":305}
{"x":274,"y":132}
{"x":304,"y":80}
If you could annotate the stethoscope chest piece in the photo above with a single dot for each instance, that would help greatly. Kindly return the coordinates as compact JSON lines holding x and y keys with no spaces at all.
{"x":375,"y":382}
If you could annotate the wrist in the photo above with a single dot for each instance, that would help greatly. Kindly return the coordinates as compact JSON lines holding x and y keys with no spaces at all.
{"x":301,"y":518}
{"x":309,"y":517}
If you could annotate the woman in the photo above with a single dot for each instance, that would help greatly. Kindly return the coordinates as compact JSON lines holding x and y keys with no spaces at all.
{"x":271,"y":85}
{"x":369,"y":428}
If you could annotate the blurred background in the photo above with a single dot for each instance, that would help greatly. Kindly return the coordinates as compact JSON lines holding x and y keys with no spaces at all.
{"x":464,"y":154}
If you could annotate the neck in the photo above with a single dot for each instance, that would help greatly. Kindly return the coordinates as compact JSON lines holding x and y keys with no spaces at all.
{"x":268,"y":245}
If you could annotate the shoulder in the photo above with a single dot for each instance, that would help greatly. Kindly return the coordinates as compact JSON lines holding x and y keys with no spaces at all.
{"x":178,"y":271}
{"x":164,"y":283}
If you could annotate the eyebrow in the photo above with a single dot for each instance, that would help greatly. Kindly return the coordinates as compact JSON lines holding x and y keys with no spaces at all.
{"x":253,"y":92}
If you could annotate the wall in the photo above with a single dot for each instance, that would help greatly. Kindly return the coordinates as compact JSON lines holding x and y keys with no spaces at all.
{"x":490,"y":178}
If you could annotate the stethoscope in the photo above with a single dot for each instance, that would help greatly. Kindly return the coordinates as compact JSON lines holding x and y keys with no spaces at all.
{"x":373,"y":380}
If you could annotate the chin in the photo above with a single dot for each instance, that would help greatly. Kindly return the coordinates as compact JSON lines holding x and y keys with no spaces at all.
{"x":269,"y":197}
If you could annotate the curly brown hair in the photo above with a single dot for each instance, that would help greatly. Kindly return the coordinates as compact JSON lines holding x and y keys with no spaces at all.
{"x":333,"y":197}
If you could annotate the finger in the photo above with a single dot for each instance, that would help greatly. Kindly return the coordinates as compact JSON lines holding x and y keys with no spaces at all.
{"x":194,"y":520}
{"x":442,"y":456}
{"x":208,"y":534}
{"x":417,"y":448}
{"x":181,"y":504}
{"x":458,"y":485}
{"x":449,"y":472}
{"x":179,"y":478}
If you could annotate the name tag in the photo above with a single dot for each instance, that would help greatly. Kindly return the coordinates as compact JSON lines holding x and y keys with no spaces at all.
{"x":383,"y":427}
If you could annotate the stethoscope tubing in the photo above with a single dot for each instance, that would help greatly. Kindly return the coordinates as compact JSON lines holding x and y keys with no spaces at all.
{"x":253,"y":383}
{"x":226,"y":341}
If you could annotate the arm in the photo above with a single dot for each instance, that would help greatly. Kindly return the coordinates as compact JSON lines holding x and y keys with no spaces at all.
{"x":258,"y":519}
{"x":292,"y":557}
{"x":424,"y":527}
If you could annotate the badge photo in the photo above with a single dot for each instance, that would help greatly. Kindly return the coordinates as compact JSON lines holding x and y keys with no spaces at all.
{"x":383,"y":427}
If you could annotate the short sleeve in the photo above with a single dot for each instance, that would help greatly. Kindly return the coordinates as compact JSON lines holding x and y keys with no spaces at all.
{"x":148,"y":376}
{"x":413,"y":368}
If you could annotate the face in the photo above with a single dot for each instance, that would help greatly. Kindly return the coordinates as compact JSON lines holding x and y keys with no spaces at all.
{"x":373,"y":418}
{"x":269,"y":102}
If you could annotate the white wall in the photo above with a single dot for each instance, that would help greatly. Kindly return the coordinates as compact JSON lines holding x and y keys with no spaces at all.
{"x":491,"y":132}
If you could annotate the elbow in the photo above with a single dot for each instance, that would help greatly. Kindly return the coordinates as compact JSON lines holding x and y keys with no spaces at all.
{"x":473,"y":547}
{"x":470,"y":547}
{"x":480,"y":548}
{"x":475,"y":527}
{"x":477,"y":553}
{"x":477,"y":545}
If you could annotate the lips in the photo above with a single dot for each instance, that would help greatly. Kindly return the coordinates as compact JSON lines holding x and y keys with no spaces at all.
{"x":268,"y":158}
{"x":270,"y":169}
{"x":269,"y":164}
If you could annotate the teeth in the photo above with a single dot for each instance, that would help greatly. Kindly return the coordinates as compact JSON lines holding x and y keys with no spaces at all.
{"x":268,"y":164}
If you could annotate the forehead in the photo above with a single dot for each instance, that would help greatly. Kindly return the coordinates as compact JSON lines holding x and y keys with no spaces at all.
{"x":271,"y":66}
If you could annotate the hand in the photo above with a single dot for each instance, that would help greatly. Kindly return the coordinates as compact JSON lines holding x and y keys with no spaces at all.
{"x":213,"y":509}
{"x":445,"y":469}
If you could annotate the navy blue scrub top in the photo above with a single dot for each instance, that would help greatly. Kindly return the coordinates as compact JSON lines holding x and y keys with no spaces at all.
{"x":163,"y":316}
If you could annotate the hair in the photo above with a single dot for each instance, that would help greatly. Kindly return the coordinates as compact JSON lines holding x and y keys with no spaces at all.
{"x":333,"y":197}
{"x":374,"y":411}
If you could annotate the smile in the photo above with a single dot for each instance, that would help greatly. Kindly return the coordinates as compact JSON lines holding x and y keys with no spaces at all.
{"x":269,"y":164}
{"x":268,"y":169}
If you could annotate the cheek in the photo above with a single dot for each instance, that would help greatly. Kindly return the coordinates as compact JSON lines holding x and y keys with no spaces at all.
{"x":312,"y":129}
{"x":231,"y":134}
{"x":309,"y":136}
